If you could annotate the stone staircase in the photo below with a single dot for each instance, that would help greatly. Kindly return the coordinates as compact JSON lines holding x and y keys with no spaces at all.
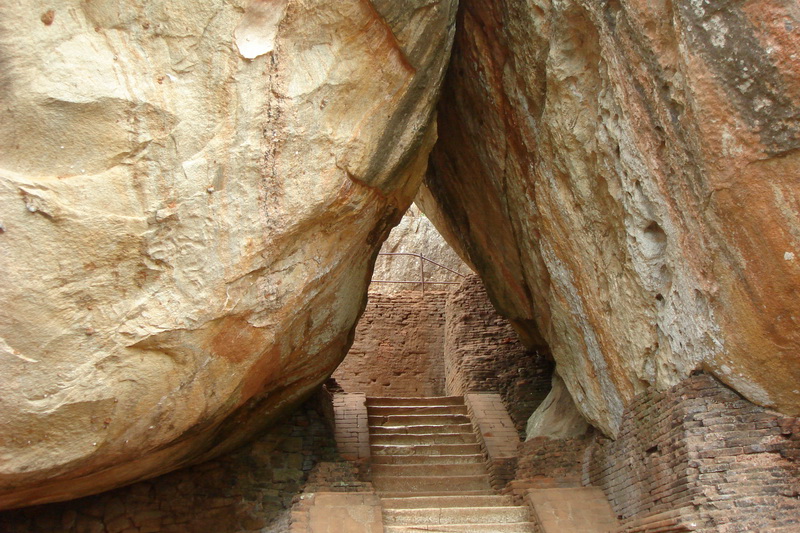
{"x":429,"y":471}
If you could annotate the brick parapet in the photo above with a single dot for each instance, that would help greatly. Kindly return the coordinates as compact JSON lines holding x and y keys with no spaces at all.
{"x":701,"y":458}
{"x":352,"y":426}
{"x":496,"y":433}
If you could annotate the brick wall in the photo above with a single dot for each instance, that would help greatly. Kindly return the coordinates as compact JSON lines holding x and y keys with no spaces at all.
{"x":398,"y":346}
{"x":483,"y":354}
{"x":701,"y":458}
{"x":250,"y":490}
{"x":697,"y":457}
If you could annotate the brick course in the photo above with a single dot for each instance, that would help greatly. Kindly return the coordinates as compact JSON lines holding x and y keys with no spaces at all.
{"x":498,"y":436}
{"x":352,"y":427}
{"x":697,"y":457}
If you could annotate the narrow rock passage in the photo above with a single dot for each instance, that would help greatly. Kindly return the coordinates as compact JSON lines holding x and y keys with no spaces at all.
{"x":429,"y":471}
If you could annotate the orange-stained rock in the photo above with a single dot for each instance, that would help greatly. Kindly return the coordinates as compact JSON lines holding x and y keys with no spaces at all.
{"x":625,"y":177}
{"x":192,"y":194}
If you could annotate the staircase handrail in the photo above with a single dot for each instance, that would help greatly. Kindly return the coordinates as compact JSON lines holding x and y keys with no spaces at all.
{"x":422,"y":282}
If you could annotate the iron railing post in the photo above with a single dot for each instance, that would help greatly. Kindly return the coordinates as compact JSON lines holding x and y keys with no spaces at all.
{"x":421,"y":282}
{"x":422,"y":273}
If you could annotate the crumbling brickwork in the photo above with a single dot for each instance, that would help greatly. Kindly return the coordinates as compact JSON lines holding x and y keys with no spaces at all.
{"x":699,"y":457}
{"x":398,"y":346}
{"x":250,"y":490}
{"x":483,"y":354}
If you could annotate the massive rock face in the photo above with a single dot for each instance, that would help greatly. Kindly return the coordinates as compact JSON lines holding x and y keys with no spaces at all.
{"x":624,"y":176}
{"x":192,"y":194}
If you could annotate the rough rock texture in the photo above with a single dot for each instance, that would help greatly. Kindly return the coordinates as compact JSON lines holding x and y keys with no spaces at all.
{"x":251,"y":490}
{"x":192,"y":195}
{"x":623,"y":174}
{"x":416,"y":234}
{"x":557,"y":417}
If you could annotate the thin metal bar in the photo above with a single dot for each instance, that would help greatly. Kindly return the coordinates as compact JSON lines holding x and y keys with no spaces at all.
{"x":426,"y":259}
{"x":422,"y":274}
{"x":417,"y":282}
{"x":421,"y":281}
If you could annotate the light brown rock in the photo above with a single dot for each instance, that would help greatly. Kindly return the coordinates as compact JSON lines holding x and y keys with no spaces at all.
{"x":624,"y":177}
{"x":557,"y":417}
{"x":191,"y":197}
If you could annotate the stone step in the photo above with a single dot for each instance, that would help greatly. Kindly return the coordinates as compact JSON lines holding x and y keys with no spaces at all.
{"x":434,"y":400}
{"x":520,"y":527}
{"x":428,"y":459}
{"x":456,"y":515}
{"x":583,"y":509}
{"x":464,"y":469}
{"x":431,"y":483}
{"x":416,"y":420}
{"x":424,"y":438}
{"x":436,"y":494}
{"x":384,"y":410}
{"x":422,"y":449}
{"x":435,"y":428}
{"x":444,"y":501}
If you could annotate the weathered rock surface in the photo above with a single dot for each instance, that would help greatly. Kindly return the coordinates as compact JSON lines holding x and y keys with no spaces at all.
{"x":192,"y":195}
{"x":624,"y":177}
{"x":416,"y":234}
{"x":557,"y":417}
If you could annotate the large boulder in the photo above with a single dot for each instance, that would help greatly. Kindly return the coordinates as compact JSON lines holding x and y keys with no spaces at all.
{"x":192,"y":194}
{"x":623,"y":174}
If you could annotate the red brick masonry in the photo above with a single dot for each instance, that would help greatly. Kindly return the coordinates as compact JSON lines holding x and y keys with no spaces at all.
{"x":498,"y":437}
{"x":697,"y":457}
{"x":703,"y":458}
{"x":397,"y":349}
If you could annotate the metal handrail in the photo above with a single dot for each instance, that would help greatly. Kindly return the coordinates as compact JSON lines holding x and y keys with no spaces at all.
{"x":422,"y":281}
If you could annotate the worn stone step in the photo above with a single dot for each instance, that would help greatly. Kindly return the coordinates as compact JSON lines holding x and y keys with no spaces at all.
{"x":431,"y":483}
{"x":520,"y":527}
{"x":384,"y":410}
{"x":584,"y":509}
{"x":443,"y":459}
{"x":424,"y":438}
{"x":464,"y":469}
{"x":433,"y":400}
{"x":456,"y":515}
{"x":445,"y":501}
{"x":423,"y":449}
{"x":416,"y":420}
{"x":435,"y":494}
{"x":429,"y":428}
